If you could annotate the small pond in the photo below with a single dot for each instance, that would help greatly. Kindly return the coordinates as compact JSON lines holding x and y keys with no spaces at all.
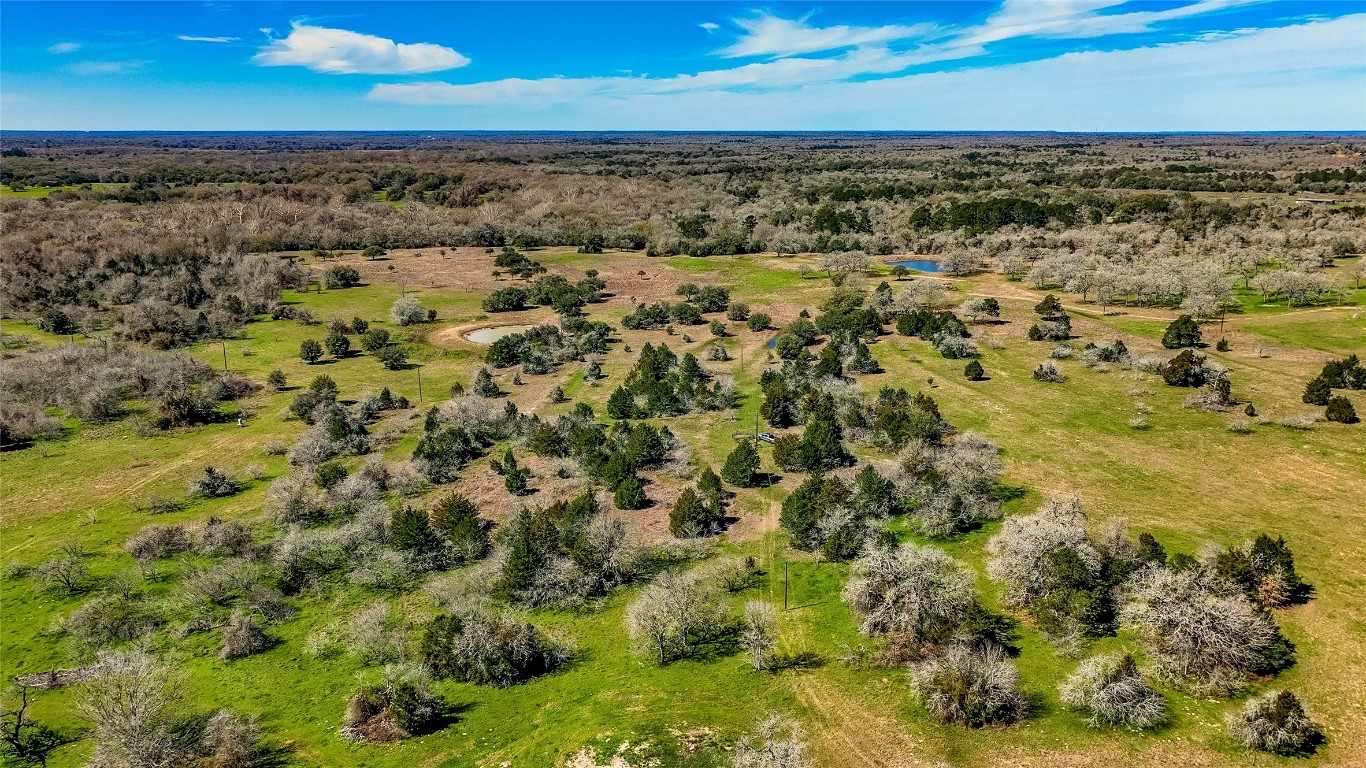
{"x":490,"y":335}
{"x":919,"y":265}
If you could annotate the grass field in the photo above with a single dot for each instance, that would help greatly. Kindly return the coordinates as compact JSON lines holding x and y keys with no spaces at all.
{"x":39,"y":192}
{"x":1187,"y":479}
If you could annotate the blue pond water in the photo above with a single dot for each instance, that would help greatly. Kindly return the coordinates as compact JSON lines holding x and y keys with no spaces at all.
{"x":919,"y":265}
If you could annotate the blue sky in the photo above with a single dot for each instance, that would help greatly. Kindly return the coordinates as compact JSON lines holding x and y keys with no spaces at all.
{"x":1107,"y":65}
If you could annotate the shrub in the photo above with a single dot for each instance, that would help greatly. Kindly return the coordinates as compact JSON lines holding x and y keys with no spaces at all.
{"x":1187,"y":369}
{"x":396,"y":710}
{"x":1340,"y":410}
{"x":213,"y":484}
{"x":1111,"y":691}
{"x":1183,"y":332}
{"x":231,"y":741}
{"x":153,"y":542}
{"x":1049,"y":372}
{"x":972,"y":684}
{"x":310,"y":351}
{"x":1275,"y":722}
{"x":955,"y":348}
{"x":276,"y":380}
{"x":407,"y":311}
{"x":338,"y":345}
{"x":1019,"y":552}
{"x":341,"y":277}
{"x":488,"y":649}
{"x":1301,"y":421}
{"x":505,"y":300}
{"x":1055,"y":329}
{"x":973,"y":371}
{"x":241,"y":637}
{"x":1317,"y":392}
{"x":1264,"y":569}
{"x":630,"y":494}
{"x":22,"y":423}
{"x":737,"y":311}
{"x":711,"y":298}
{"x":759,"y":321}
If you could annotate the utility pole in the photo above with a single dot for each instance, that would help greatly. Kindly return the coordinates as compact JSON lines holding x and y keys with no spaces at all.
{"x":785,"y":585}
{"x":225,"y":355}
{"x":419,"y":383}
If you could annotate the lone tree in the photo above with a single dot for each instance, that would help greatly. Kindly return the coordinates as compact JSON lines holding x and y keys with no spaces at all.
{"x":1049,"y":307}
{"x":741,"y":465}
{"x":973,"y":370}
{"x":1183,"y":332}
{"x":1317,"y":391}
{"x":338,"y":345}
{"x":1340,"y":410}
{"x":310,"y":350}
{"x":484,"y":385}
{"x":24,"y":740}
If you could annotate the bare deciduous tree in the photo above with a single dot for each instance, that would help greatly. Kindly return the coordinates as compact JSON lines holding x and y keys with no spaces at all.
{"x":129,"y":697}
{"x":777,"y":743}
{"x":673,"y":613}
{"x":912,"y":590}
{"x":1111,"y":691}
{"x":759,"y":634}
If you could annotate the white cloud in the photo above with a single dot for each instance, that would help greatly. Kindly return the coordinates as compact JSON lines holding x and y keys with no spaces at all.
{"x":710,"y":26}
{"x":1286,"y":78}
{"x":89,"y":68}
{"x":340,"y":52}
{"x":204,"y":39}
{"x":769,"y":35}
{"x":1071,"y":19}
{"x":64,"y":48}
{"x":782,"y":73}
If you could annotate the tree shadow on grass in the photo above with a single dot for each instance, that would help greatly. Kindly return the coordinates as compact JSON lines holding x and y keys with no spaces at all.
{"x":448,"y":715}
{"x":766,"y":479}
{"x":799,"y":660}
{"x":718,"y":644}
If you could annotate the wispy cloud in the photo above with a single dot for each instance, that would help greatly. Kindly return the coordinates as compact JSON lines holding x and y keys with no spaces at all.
{"x":769,"y":35}
{"x":207,"y":39}
{"x":710,"y":26}
{"x":64,"y":48}
{"x":342,"y":52}
{"x":87,"y":68}
{"x":1196,"y":84}
{"x":1074,"y":19}
{"x":788,"y":72}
